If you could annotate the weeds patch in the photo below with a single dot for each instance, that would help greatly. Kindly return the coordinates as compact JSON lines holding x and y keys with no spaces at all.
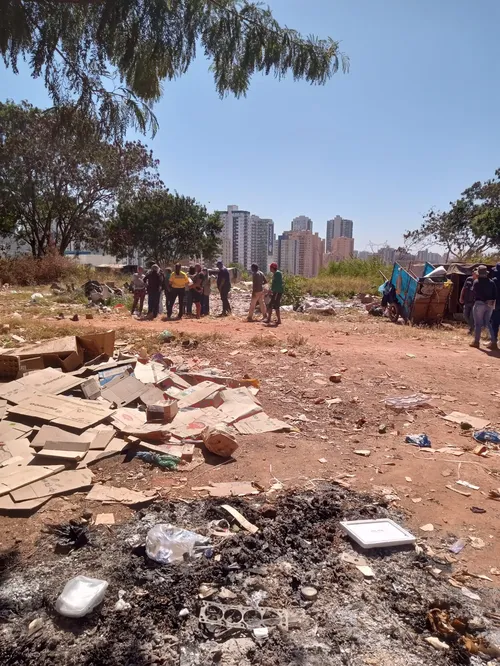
{"x":264,"y":341}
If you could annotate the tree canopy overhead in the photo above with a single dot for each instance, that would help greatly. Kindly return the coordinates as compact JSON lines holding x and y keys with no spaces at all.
{"x":56,"y":189}
{"x":111,"y":56}
{"x":470,"y":227}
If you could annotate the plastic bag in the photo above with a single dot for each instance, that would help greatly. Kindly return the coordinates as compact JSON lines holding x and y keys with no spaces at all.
{"x":407,"y":401}
{"x":167,"y":544}
{"x":419,"y":440}
{"x":80,"y":596}
{"x":487,"y":436}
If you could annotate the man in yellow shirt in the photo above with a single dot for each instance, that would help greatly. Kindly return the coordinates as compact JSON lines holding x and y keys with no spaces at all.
{"x":178,"y":283}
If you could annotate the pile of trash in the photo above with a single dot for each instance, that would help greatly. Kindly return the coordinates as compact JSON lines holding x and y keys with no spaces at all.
{"x":101,"y":292}
{"x":329,"y":306}
{"x":72,"y":401}
{"x":286,"y":577}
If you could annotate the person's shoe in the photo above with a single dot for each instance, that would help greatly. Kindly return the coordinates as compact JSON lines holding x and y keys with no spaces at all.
{"x":492,"y":346}
{"x":250,"y":319}
{"x":474,"y":344}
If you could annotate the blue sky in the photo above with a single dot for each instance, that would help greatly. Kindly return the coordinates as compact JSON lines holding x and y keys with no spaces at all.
{"x":413,"y":123}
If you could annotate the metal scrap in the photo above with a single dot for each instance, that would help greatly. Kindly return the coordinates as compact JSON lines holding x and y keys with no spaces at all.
{"x":241,"y":617}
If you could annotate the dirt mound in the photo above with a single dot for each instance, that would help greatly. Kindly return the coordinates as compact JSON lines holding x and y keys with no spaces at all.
{"x":352,"y":621}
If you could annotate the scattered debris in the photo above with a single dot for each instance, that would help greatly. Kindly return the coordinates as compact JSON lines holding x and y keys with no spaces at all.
{"x":467,"y":484}
{"x":469,"y":594}
{"x":487,"y":436}
{"x":253,"y":529}
{"x":436,"y":643}
{"x":308,"y":593}
{"x":362,"y":452}
{"x":460,"y":492}
{"x":377,"y":533}
{"x":80,"y":596}
{"x":71,"y":536}
{"x":219,"y":441}
{"x":401,"y":403}
{"x":167,"y":544}
{"x":476,"y":542}
{"x":418,"y":440}
{"x":229,"y":489}
{"x":429,"y":527}
{"x":467,"y":420}
{"x":234,"y":617}
{"x":105,"y":519}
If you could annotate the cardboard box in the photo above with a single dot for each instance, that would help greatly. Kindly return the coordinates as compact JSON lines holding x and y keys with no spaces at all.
{"x":123,"y":391}
{"x":162,"y":412}
{"x":66,"y":450}
{"x":95,"y":344}
{"x":58,"y":484}
{"x":58,"y":410}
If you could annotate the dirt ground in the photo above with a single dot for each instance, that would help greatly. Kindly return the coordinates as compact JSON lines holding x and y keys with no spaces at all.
{"x":376,"y":359}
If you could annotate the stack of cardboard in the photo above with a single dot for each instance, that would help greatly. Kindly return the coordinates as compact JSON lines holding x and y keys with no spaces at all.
{"x":73,"y":404}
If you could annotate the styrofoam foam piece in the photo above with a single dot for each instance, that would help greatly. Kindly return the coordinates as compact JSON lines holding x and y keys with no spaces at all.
{"x":377,"y":533}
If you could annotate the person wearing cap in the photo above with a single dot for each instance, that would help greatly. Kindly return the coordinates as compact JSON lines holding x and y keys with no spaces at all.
{"x":467,"y":300}
{"x":485,"y":294}
{"x":258,"y":282}
{"x":178,"y":283}
{"x":276,"y":294}
{"x":224,"y":287}
{"x":154,"y":284}
{"x":495,"y":315}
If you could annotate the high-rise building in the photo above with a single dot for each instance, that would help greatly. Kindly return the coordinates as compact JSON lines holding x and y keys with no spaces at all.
{"x":342,"y":248}
{"x":431,"y":257}
{"x":387,"y":254}
{"x":337,"y":228}
{"x":288,"y":254}
{"x":259,"y":237}
{"x":271,"y":243}
{"x":302,"y":223}
{"x":301,"y":253}
{"x":245,"y":238}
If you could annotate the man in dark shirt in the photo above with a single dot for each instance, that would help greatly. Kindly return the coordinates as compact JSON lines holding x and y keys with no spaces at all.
{"x":485,"y":294}
{"x":495,"y":315}
{"x":467,"y":300}
{"x":154,"y":283}
{"x":224,"y":287}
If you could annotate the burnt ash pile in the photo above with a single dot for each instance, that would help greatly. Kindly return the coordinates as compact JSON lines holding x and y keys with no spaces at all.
{"x":351,"y":621}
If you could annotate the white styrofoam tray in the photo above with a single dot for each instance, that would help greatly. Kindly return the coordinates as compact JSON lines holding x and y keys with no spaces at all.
{"x":377,"y":533}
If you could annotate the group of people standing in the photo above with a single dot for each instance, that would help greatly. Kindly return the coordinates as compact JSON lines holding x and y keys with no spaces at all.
{"x":193,"y":289}
{"x":480,"y":298}
{"x":176,"y":286}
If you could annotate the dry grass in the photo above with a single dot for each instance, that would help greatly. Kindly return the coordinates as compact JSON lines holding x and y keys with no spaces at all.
{"x":342,"y":286}
{"x":263,"y":341}
{"x":296,"y":339}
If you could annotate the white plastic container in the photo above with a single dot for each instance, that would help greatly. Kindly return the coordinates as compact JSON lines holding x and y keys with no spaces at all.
{"x":80,"y":596}
{"x":377,"y":533}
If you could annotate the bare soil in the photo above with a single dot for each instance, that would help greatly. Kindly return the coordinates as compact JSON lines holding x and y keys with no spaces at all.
{"x":353,"y":622}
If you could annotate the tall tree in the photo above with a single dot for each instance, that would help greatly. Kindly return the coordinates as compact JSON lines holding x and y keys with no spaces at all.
{"x":469,"y":228}
{"x":164,"y":227}
{"x":56,"y":188}
{"x":111,"y":56}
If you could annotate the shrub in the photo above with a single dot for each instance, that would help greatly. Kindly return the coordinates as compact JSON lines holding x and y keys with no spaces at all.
{"x":26,"y":270}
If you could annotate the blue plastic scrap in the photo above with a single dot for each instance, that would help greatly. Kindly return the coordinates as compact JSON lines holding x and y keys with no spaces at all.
{"x":487,"y":436}
{"x":419,"y":440}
